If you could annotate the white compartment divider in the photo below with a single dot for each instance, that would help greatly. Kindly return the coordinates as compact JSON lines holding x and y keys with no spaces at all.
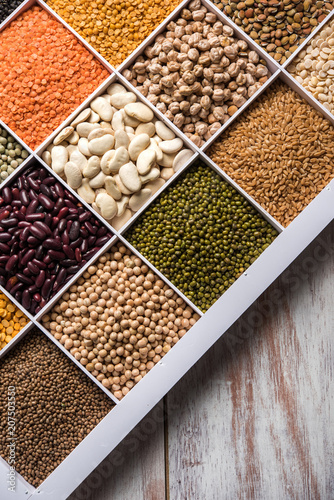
{"x":269,"y":265}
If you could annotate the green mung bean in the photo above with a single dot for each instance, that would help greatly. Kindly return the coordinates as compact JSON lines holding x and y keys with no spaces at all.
{"x":202,"y":234}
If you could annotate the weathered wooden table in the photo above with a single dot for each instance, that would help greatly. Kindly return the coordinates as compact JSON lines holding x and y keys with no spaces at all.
{"x":254,"y":419}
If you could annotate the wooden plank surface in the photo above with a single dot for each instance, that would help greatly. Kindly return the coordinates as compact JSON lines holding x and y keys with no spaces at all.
{"x":256,"y":413}
{"x":254,"y":418}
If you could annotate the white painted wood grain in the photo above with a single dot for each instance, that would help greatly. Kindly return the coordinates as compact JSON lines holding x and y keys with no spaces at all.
{"x":255,"y":418}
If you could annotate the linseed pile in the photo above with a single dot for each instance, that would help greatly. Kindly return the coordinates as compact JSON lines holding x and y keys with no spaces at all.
{"x":280,"y":152}
{"x":55,"y":404}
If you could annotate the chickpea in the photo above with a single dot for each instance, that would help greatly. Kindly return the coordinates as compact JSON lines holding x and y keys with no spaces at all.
{"x":121,"y":320}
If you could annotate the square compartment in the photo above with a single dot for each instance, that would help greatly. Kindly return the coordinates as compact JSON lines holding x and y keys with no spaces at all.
{"x":28,"y":257}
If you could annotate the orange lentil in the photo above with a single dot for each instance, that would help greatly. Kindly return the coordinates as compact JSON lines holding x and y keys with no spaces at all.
{"x":12,"y":320}
{"x":43,"y":62}
{"x":106,"y":24}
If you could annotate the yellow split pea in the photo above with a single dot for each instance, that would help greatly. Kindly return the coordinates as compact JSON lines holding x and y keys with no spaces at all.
{"x":12,"y":320}
{"x":114,"y":27}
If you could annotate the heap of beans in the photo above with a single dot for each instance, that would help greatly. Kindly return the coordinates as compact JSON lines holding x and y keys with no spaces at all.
{"x":202,"y":234}
{"x":198,"y":73}
{"x":56,"y":406}
{"x":279,"y":26}
{"x":314,"y":67}
{"x":114,"y":27}
{"x":280,"y":152}
{"x":119,"y":320}
{"x":45,"y":73}
{"x":12,"y":154}
{"x":112,"y":152}
{"x":12,"y":320}
{"x":46,"y":236}
{"x":7,"y":7}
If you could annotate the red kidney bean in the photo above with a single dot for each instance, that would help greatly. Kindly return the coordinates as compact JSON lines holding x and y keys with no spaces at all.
{"x":37,"y":232}
{"x":88,"y":255}
{"x":35,"y":217}
{"x":76,"y":243}
{"x":24,"y":197}
{"x":65,"y":237}
{"x":90,"y":228}
{"x":37,"y":297}
{"x":102,"y":241}
{"x":68,"y":251}
{"x":14,"y":248}
{"x":54,"y":223}
{"x":23,"y":224}
{"x":48,"y":219}
{"x":70,"y":204}
{"x":31,"y":173}
{"x":7,"y":195}
{"x":39,"y":263}
{"x":20,"y":183}
{"x":47,"y":260}
{"x":4,"y":237}
{"x":33,"y":268}
{"x":16,"y":204}
{"x":34,"y":184}
{"x":4,"y":215}
{"x":4,"y":248}
{"x":16,"y":288}
{"x":11,"y":263}
{"x":24,"y":234}
{"x":61,"y":277}
{"x":32,"y":207}
{"x":3,"y":260}
{"x":84,"y":216}
{"x":26,"y":299}
{"x":63,"y":213}
{"x":46,"y":289}
{"x":62,"y":225}
{"x":33,"y":289}
{"x":84,"y":246}
{"x":71,"y":197}
{"x":33,"y":195}
{"x":43,"y":226}
{"x":25,"y":279}
{"x":49,"y":181}
{"x":78,"y":255}
{"x":32,"y":241}
{"x":83,"y":232}
{"x":16,"y":194}
{"x":73,"y":269}
{"x":68,"y":262}
{"x":74,"y":230}
{"x":39,"y":252}
{"x":11,"y":282}
{"x":46,"y":202}
{"x":59,"y":190}
{"x":44,"y":189}
{"x":40,"y":279}
{"x":91,"y":240}
{"x":56,"y":255}
{"x":52,"y":244}
{"x":28,"y":256}
{"x":59,"y":205}
{"x":10,"y":222}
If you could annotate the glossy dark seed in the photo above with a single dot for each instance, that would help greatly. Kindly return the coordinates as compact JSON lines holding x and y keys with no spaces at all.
{"x":46,"y":202}
{"x":11,"y":263}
